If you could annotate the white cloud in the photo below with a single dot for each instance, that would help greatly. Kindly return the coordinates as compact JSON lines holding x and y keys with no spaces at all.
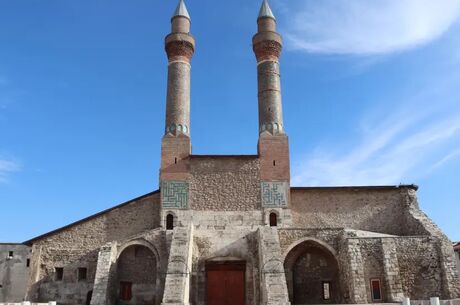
{"x":393,"y":144}
{"x":366,"y":26}
{"x":385,"y":156}
{"x":7,"y":167}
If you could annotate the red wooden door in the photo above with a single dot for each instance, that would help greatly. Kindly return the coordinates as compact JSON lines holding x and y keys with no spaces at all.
{"x":225,"y":283}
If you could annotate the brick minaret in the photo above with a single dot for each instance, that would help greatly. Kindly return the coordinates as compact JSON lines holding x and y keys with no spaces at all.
{"x":273,"y":143}
{"x":176,"y":147}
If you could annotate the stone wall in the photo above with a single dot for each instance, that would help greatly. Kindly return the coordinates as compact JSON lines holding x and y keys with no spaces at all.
{"x":14,"y":272}
{"x":136,"y":265}
{"x":372,"y":257}
{"x":224,"y":245}
{"x":218,"y":220}
{"x":419,"y":267}
{"x":406,"y":266}
{"x":419,"y":223}
{"x":363,"y":208}
{"x":112,"y":268}
{"x":313,"y":267}
{"x":77,"y":246}
{"x":457,"y":256}
{"x":225,"y":183}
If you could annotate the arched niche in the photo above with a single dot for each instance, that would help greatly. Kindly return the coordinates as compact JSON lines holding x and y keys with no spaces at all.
{"x":137,"y":275}
{"x":312,"y":273}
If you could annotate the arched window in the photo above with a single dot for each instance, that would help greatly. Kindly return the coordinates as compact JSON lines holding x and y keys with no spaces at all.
{"x":169,"y":222}
{"x":273,"y":219}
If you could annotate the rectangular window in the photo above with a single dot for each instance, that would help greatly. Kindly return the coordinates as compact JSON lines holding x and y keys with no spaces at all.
{"x":59,"y":274}
{"x":28,"y":263}
{"x":376,"y":290}
{"x":125,"y":291}
{"x":326,"y":290}
{"x":10,"y":254}
{"x":82,"y":273}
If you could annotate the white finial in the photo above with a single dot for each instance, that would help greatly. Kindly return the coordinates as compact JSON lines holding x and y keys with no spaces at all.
{"x":266,"y":11}
{"x":181,"y":10}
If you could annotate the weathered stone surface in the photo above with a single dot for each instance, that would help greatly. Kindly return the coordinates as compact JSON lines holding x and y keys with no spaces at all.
{"x":14,"y":272}
{"x":225,"y":183}
{"x":273,"y":287}
{"x":78,"y":247}
{"x":377,"y":210}
{"x":177,"y":285}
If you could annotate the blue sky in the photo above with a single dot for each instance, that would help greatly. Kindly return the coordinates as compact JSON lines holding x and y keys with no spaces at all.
{"x":370,"y":93}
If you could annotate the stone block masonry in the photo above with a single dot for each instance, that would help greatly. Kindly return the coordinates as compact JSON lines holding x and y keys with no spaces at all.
{"x":14,"y":271}
{"x":273,"y":287}
{"x":103,"y":283}
{"x":177,"y":285}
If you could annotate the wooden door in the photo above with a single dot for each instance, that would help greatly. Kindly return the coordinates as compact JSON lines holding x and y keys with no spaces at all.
{"x":225,"y":283}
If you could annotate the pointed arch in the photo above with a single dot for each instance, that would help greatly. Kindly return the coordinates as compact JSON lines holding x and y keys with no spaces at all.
{"x":312,"y":272}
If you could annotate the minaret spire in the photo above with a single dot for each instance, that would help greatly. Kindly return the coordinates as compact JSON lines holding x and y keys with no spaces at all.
{"x":266,"y":11}
{"x":181,"y":10}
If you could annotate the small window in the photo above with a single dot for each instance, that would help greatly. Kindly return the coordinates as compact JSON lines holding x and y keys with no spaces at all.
{"x":169,"y":222}
{"x":273,"y":219}
{"x":59,"y":274}
{"x":125,"y":291}
{"x":376,"y":290}
{"x":82,"y":273}
{"x":28,"y":263}
{"x":10,"y":254}
{"x":326,"y":290}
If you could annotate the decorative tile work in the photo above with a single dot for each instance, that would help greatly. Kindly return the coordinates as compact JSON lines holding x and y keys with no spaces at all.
{"x":274,"y":194}
{"x":174,"y":194}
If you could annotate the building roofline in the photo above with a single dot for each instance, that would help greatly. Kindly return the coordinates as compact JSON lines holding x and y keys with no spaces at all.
{"x":30,"y":242}
{"x":223,"y":156}
{"x":11,"y":244}
{"x":357,"y":187}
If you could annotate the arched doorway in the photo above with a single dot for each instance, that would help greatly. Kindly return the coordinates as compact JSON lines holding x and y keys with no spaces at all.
{"x":312,"y":274}
{"x":136,"y":276}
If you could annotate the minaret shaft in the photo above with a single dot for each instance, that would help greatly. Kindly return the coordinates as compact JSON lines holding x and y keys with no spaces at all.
{"x":180,"y":46}
{"x":273,"y":146}
{"x":176,"y":145}
{"x":267,"y":45}
{"x":269,"y":95}
{"x":178,"y":98}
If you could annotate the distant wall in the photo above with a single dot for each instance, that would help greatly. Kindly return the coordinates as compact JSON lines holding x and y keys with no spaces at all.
{"x":14,"y":272}
{"x":371,"y":209}
{"x":77,"y":247}
{"x":457,"y":255}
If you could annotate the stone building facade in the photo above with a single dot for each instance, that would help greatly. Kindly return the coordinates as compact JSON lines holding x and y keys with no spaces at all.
{"x":14,"y":271}
{"x":457,"y":254}
{"x":231,"y":229}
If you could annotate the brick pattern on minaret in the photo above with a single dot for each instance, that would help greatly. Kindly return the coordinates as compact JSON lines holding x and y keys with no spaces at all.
{"x":176,"y":147}
{"x":273,"y":145}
